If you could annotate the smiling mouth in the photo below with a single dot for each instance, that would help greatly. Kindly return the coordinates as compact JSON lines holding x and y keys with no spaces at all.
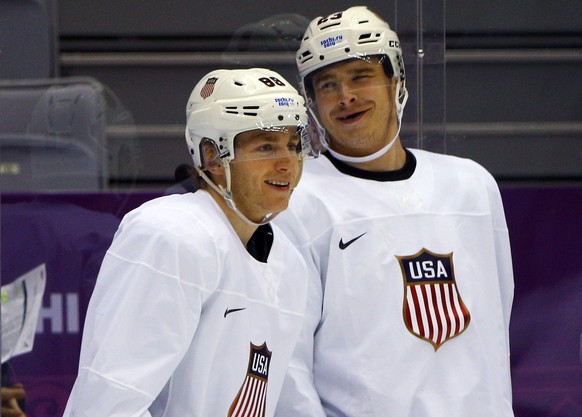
{"x":351,"y":117}
{"x":281,"y":184}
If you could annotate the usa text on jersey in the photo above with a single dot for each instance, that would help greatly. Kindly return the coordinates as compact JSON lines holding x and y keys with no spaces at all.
{"x":433,"y":309}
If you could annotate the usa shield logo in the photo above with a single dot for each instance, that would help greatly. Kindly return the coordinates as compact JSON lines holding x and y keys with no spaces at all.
{"x":433,"y":309}
{"x":251,"y":399}
{"x":208,"y":87}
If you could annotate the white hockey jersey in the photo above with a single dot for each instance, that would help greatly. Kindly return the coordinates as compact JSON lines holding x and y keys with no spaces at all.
{"x":411,"y":317}
{"x":183,"y":321}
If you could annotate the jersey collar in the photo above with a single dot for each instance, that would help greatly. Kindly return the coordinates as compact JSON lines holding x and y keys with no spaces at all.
{"x":403,"y":173}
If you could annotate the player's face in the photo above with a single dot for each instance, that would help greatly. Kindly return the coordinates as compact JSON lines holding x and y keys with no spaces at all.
{"x":355,"y":104}
{"x":264,"y":171}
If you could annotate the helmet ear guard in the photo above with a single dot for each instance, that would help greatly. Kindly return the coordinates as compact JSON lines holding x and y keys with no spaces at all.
{"x":209,"y":155}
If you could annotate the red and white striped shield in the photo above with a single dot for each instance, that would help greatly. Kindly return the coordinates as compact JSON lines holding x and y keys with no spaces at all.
{"x":251,"y":399}
{"x":208,"y":87}
{"x":433,"y":309}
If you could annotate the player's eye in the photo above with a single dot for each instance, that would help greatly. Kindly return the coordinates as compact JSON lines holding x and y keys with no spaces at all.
{"x":327,"y":86}
{"x":267,"y":147}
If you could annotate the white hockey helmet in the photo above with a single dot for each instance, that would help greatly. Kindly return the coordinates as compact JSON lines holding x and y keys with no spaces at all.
{"x":227,"y":102}
{"x":355,"y":33}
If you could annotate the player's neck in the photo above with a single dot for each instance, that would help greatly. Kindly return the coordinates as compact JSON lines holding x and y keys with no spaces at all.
{"x":392,"y":160}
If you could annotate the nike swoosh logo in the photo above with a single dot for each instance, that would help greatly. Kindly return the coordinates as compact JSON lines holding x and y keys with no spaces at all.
{"x":232,"y":310}
{"x":343,"y":245}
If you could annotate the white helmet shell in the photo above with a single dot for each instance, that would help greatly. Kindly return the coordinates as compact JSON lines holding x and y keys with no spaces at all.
{"x":225,"y":103}
{"x":354,"y":33}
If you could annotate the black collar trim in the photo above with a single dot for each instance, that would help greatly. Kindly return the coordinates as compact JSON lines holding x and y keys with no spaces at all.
{"x":403,"y":173}
{"x":260,"y":243}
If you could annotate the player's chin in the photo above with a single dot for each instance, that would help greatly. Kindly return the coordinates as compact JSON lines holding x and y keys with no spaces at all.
{"x":278,"y":205}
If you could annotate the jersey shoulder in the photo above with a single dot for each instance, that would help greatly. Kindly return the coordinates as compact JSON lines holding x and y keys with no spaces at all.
{"x":452,"y":169}
{"x":179,"y":214}
{"x":179,"y":223}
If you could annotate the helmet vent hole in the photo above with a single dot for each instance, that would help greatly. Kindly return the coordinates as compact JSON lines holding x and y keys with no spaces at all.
{"x":331,"y":24}
{"x":238,"y":83}
{"x":280,"y":117}
{"x":347,"y":50}
{"x":366,"y":38}
{"x":321,"y":57}
{"x":246,"y":111}
{"x":305,"y":56}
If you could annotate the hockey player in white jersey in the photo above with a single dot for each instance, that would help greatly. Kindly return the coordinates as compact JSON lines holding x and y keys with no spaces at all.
{"x":199,"y":301}
{"x":410,"y":316}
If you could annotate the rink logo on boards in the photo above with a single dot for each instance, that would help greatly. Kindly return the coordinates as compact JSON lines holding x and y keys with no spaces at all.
{"x":432,"y":309}
{"x":60,"y":314}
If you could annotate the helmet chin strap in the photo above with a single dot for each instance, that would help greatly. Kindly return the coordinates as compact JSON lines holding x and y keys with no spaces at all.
{"x":265,"y":219}
{"x":377,"y":154}
{"x":226,"y":194}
